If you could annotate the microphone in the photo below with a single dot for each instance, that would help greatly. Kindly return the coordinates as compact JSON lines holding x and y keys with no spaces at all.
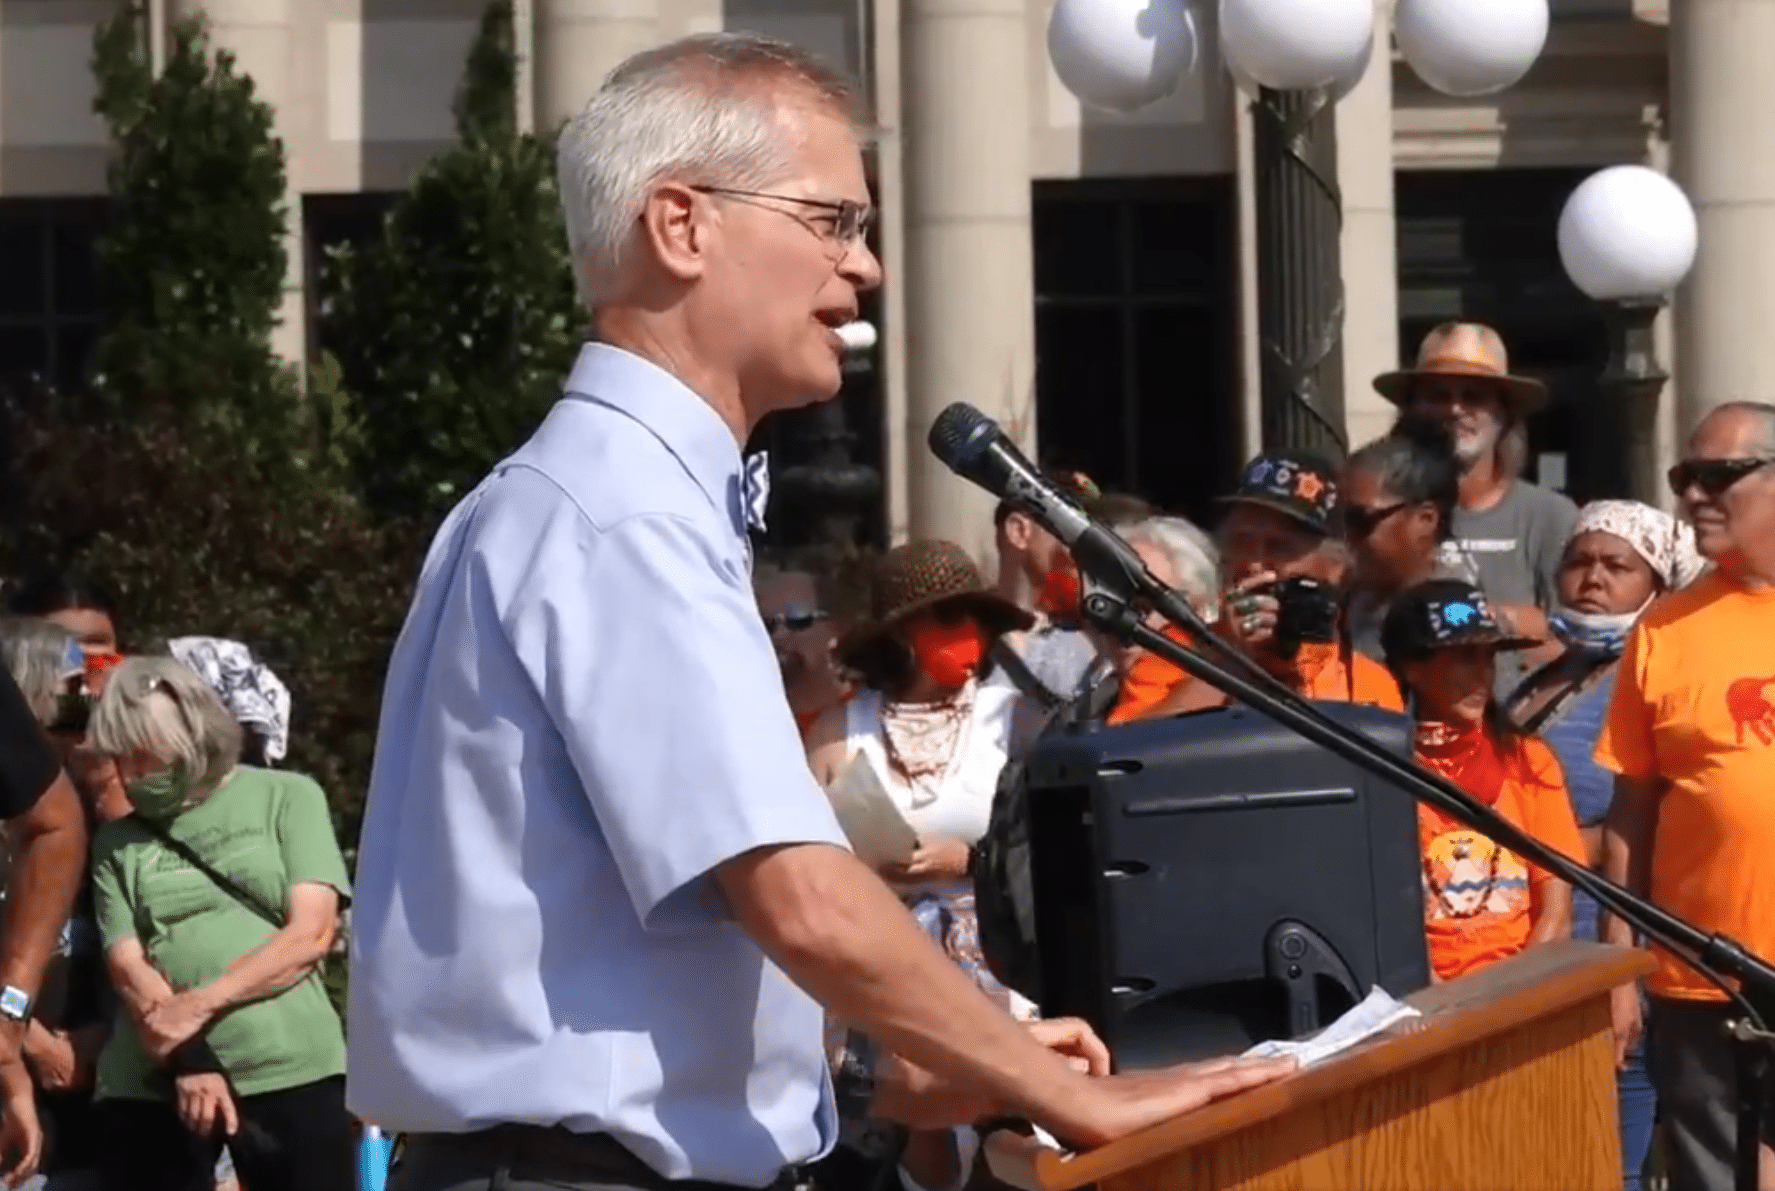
{"x":974,"y":447}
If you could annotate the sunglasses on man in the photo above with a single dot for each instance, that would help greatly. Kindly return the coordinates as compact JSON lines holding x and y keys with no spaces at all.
{"x":1713,"y":476}
{"x":1360,"y":521}
{"x":793,"y":620}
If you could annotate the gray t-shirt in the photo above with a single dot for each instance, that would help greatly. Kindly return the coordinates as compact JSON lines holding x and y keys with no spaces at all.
{"x":1516,"y":544}
{"x":1511,"y":551}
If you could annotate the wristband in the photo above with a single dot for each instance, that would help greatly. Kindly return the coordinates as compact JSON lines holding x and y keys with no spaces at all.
{"x":15,"y":1003}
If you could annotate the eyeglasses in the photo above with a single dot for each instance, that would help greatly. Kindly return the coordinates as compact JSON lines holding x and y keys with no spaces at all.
{"x":793,"y":620}
{"x":1713,"y":476}
{"x":1360,"y":521}
{"x":843,"y":221}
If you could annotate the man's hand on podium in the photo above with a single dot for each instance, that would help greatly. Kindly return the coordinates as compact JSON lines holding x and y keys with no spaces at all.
{"x":907,"y":1093}
{"x":1121,"y":1104}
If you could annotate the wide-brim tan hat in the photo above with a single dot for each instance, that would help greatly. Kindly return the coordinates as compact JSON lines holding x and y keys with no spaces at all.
{"x":1467,"y":351}
{"x":920,"y":576}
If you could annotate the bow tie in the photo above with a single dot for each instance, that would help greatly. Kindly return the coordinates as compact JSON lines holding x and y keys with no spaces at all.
{"x":755,"y":489}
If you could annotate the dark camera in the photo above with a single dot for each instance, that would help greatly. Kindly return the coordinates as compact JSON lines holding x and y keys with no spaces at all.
{"x":1307,"y":611}
{"x":72,"y":712}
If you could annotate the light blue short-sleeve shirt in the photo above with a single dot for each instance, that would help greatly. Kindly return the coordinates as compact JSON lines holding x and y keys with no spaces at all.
{"x":583,"y":717}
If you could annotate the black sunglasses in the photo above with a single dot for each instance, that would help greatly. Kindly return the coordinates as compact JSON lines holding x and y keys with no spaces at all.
{"x":795,"y":620}
{"x":1713,"y":476}
{"x":1359,"y":522}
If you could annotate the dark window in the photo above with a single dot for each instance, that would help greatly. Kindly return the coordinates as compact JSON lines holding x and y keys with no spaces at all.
{"x":1482,"y":245}
{"x":1136,"y":338}
{"x":330,"y":221}
{"x":49,"y":307}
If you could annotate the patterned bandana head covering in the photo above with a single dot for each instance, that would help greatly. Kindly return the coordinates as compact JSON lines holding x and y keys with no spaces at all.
{"x":253,"y":695}
{"x":1667,"y":545}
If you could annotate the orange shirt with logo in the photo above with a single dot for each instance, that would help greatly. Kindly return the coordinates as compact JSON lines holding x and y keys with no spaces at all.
{"x":1479,"y":897}
{"x":1695,"y":705}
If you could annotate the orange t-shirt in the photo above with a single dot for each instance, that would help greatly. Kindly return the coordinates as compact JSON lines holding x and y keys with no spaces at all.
{"x":1366,"y":681}
{"x":1149,"y":682}
{"x":1695,"y":704}
{"x":1477,"y":895}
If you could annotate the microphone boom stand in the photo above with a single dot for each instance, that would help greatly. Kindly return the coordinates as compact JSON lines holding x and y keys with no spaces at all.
{"x":1715,"y":956}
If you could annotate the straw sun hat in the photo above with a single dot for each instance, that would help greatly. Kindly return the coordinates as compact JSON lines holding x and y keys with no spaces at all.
{"x":918,"y":577}
{"x":1466,"y":351}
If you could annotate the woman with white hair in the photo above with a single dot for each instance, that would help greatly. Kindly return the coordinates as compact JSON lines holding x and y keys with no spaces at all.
{"x":216,"y":901}
{"x":1146,"y":686}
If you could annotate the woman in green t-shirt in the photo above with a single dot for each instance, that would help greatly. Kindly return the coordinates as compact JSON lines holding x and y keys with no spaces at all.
{"x":216,"y":901}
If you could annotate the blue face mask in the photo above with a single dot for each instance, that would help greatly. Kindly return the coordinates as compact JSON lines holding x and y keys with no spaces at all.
{"x":1602,"y":635}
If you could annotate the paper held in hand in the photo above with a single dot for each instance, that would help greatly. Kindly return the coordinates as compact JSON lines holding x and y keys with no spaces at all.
{"x":878,"y":832}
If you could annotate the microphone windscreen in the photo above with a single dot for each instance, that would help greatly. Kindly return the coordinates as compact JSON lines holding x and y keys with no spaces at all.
{"x":960,"y":434}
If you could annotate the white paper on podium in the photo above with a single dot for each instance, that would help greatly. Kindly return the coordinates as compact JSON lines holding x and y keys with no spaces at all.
{"x":1377,"y":1014}
{"x":878,"y":833}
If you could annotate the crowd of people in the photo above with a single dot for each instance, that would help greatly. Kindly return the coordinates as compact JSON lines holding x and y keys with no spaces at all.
{"x":607,"y":930}
{"x":1425,"y":576}
{"x":181,"y":1036}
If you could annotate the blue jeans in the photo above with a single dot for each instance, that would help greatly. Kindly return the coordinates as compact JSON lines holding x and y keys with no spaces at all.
{"x":1633,"y":1086}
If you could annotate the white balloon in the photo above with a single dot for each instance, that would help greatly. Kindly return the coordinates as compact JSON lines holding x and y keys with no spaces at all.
{"x":1471,"y":47}
{"x":1121,"y":54}
{"x":1296,"y":45}
{"x":1339,"y":89}
{"x":1627,"y":232}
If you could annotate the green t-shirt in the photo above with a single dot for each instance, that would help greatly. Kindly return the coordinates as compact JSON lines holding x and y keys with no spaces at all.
{"x":267,"y":830}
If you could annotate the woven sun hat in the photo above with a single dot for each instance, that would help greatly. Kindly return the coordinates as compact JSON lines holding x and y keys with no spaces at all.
{"x":1468,"y":351}
{"x":925,"y":576}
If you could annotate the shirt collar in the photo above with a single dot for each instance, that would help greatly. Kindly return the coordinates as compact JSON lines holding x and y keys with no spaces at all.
{"x":687,"y":425}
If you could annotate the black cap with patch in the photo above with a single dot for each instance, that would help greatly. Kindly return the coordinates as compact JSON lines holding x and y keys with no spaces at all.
{"x":1442,"y":614}
{"x":1301,"y":487}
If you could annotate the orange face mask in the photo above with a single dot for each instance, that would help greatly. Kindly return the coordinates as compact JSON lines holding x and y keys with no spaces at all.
{"x":949,"y":653}
{"x":1149,"y":681}
{"x":98,"y":665}
{"x":1059,"y":595}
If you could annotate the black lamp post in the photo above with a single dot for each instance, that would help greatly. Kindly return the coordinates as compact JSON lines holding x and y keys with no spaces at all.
{"x":824,"y":492}
{"x":1627,"y":236}
{"x":1300,"y":290}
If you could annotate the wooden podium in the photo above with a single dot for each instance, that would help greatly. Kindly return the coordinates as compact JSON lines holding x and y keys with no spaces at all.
{"x":1506,"y":1083}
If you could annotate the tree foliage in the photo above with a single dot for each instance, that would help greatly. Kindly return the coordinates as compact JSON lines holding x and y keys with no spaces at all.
{"x":455,"y":325}
{"x":197,"y":479}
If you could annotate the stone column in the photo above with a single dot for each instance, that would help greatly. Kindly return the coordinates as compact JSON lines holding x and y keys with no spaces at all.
{"x":258,"y":34}
{"x":1723,"y":153}
{"x":1370,"y":248}
{"x":578,"y":43}
{"x":969,"y":283}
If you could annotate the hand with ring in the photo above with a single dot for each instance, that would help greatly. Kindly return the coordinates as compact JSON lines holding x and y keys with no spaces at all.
{"x":1250,"y":613}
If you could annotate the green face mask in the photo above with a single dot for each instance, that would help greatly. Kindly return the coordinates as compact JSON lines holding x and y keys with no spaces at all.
{"x":160,"y":795}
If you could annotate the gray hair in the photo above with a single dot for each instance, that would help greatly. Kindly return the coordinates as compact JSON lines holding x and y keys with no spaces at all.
{"x":1761,"y":411}
{"x":161,"y":707}
{"x":36,"y":654}
{"x":1190,"y":552}
{"x":707,"y":107}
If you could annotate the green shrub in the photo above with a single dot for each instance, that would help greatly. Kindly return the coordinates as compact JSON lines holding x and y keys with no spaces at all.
{"x":456,"y":325}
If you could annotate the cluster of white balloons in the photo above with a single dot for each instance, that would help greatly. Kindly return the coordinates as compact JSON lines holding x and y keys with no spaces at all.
{"x":1127,"y":54}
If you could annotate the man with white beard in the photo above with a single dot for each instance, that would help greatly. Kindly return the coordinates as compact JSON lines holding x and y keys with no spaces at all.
{"x":1511,"y":532}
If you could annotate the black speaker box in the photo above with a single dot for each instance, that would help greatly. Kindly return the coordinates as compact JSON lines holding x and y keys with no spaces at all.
{"x":1211,"y":881}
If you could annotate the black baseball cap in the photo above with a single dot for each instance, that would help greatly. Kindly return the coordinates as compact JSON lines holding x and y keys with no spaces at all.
{"x":1442,"y":614}
{"x":1300,"y":486}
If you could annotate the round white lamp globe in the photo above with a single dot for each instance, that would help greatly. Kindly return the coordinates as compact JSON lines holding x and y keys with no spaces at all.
{"x":1627,"y":232}
{"x":1339,"y":88}
{"x":1296,"y":45}
{"x":858,"y":336}
{"x":1470,"y":47}
{"x":1121,"y":54}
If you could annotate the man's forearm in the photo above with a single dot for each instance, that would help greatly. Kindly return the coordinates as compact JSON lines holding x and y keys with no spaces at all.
{"x":839,"y":933}
{"x":50,"y":861}
{"x":1627,"y":836}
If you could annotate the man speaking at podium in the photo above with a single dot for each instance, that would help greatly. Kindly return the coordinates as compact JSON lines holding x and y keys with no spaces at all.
{"x":601,"y":901}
